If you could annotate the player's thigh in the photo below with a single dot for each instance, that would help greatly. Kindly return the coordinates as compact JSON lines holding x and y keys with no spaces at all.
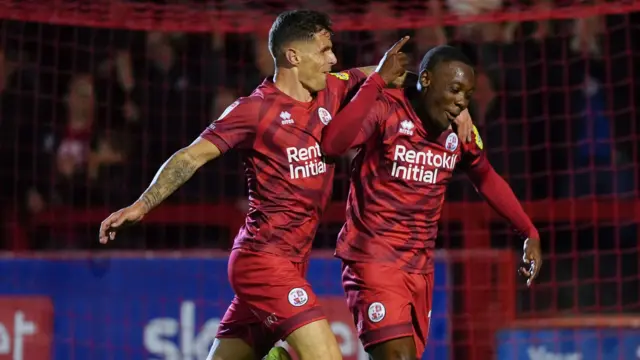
{"x":315,"y":341}
{"x":395,"y":349}
{"x":230,"y":349}
{"x":422,"y":289}
{"x":277,"y":293}
{"x":240,"y":332}
{"x":380,"y":302}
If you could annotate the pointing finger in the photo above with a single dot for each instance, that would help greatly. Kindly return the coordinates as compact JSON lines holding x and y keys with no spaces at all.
{"x":397,"y":46}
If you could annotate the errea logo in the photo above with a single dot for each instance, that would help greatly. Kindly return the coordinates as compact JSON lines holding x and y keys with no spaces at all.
{"x":406,"y":127}
{"x":286,"y":118}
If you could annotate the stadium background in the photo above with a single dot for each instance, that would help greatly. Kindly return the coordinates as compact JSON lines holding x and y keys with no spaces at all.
{"x":95,"y":95}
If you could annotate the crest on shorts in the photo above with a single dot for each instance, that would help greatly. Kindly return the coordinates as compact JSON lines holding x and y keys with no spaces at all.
{"x":324,"y":115}
{"x":298,"y":297}
{"x":478,"y":138}
{"x":376,"y":312}
{"x":341,"y":75}
{"x":452,"y":142}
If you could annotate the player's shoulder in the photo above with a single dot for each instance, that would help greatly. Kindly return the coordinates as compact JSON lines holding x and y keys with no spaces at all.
{"x":393,"y":95}
{"x":242,"y":107}
{"x":247,"y":101}
{"x":346,"y":76}
{"x":392,"y":102}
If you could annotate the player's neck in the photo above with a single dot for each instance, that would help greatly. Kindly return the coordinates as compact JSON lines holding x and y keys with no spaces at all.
{"x":287,"y":81}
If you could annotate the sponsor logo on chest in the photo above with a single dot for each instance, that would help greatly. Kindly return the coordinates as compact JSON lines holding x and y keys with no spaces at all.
{"x":421,"y":166}
{"x":305,"y":162}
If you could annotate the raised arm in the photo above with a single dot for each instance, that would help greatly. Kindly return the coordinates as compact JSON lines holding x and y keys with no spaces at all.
{"x":356,"y":122}
{"x":360,"y":113}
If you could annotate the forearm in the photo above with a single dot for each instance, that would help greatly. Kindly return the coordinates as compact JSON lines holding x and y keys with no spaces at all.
{"x":406,"y":80}
{"x":172,"y":174}
{"x":341,"y":133}
{"x":498,"y":194}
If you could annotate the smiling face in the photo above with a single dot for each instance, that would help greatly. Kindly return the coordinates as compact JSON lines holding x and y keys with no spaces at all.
{"x":446,"y":92}
{"x":313,"y":60}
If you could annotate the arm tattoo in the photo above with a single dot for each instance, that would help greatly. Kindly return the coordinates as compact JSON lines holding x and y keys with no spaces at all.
{"x":173,"y":173}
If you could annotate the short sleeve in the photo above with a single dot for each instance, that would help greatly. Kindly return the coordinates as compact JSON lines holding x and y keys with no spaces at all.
{"x":343,"y":83}
{"x":236,"y":127}
{"x":473,"y":156}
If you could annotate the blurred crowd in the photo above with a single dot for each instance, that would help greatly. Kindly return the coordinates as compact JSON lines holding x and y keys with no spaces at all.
{"x":89,"y":114}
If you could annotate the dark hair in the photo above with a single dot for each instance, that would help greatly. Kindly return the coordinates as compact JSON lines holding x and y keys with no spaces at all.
{"x":296,"y":25}
{"x":442,"y":54}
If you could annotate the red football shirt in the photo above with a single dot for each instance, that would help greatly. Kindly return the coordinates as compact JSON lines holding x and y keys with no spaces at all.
{"x":289,"y":180}
{"x":398,"y":185}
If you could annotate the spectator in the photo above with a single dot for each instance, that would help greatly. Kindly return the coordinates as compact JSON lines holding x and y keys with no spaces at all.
{"x":73,"y":151}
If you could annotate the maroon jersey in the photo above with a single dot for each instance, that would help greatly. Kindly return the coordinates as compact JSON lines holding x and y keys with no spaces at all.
{"x":289,"y":180}
{"x":398,"y":184}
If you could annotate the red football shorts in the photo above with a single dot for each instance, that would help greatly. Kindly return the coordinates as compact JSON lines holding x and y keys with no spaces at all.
{"x":272,"y":299}
{"x":388,"y":303}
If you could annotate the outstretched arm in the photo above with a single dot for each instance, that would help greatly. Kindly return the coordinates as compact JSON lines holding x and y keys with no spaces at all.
{"x":501,"y":198}
{"x":176,"y":171}
{"x":235,"y":127}
{"x":498,"y":194}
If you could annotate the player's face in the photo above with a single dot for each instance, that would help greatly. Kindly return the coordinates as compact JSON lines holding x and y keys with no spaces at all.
{"x":446,"y":92}
{"x":316,"y":58}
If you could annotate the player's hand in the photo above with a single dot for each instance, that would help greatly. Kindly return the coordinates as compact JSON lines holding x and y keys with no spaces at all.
{"x":532,"y":258}
{"x":117,"y":220}
{"x":464,"y":126}
{"x":394,"y":63}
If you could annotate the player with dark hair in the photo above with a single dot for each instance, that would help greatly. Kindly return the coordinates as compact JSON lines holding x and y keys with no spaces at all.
{"x":407,"y":155}
{"x":279,"y":125}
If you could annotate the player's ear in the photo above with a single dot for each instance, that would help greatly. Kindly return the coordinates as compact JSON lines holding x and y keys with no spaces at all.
{"x":292,"y":56}
{"x":425,"y":79}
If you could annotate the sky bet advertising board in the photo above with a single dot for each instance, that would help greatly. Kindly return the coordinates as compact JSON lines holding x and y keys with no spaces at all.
{"x":152,"y":308}
{"x":578,"y":343}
